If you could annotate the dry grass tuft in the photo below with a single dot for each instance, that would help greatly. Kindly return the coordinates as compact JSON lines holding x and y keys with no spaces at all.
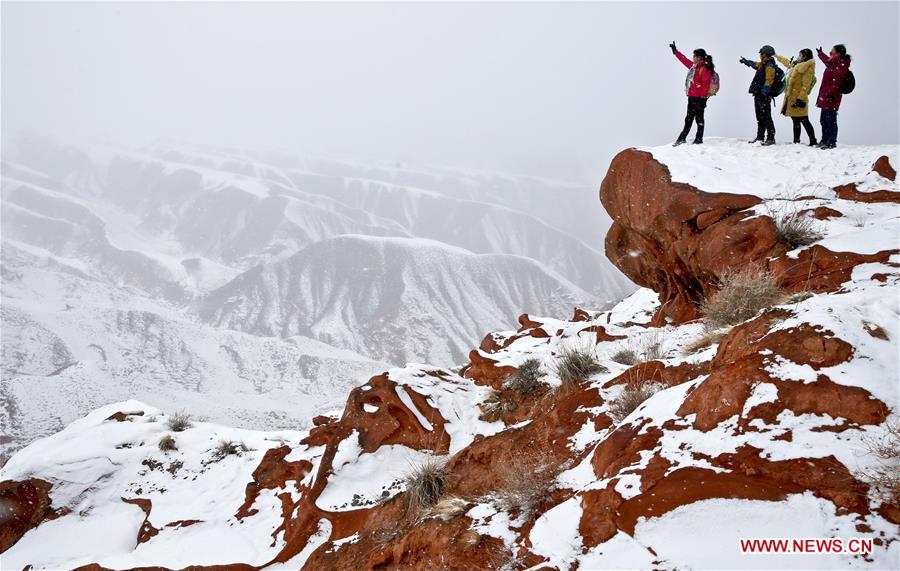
{"x":576,"y":363}
{"x":741,"y":296}
{"x":885,"y":477}
{"x":795,"y":229}
{"x":527,"y":378}
{"x":167,"y":443}
{"x":630,"y":398}
{"x":625,"y":356}
{"x":180,"y":421}
{"x":448,"y":508}
{"x":228,"y":448}
{"x":495,"y":407}
{"x":651,"y":347}
{"x":640,"y":349}
{"x":526,"y":483}
{"x":426,"y":484}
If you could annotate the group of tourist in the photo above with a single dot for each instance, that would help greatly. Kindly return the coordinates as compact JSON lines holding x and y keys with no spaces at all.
{"x":769,"y":82}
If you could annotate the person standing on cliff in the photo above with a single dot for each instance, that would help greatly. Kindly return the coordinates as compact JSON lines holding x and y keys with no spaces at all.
{"x":834,"y":85}
{"x":766,"y":85}
{"x":801,"y":78}
{"x":701,"y":83}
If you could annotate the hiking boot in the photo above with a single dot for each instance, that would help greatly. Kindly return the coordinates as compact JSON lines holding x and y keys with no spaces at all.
{"x":679,"y":142}
{"x":756,"y":140}
{"x":698,"y":141}
{"x":768,"y":142}
{"x":813,"y":143}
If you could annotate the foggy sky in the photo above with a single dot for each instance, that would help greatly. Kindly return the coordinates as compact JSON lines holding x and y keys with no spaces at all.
{"x":546,"y":88}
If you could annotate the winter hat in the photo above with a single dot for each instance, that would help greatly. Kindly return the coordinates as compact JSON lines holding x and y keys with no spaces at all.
{"x":767,"y":51}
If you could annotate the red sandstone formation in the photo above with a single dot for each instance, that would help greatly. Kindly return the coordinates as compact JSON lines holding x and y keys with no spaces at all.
{"x":23,"y":505}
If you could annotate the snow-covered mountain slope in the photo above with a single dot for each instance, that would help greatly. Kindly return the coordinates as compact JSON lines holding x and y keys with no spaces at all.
{"x":232,"y":208}
{"x":386,"y":297}
{"x":72,"y":343}
{"x":483,"y":226}
{"x":683,"y":442}
{"x":107,"y":253}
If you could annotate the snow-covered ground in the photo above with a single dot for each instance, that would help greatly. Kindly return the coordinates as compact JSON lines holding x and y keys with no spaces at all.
{"x":96,"y":463}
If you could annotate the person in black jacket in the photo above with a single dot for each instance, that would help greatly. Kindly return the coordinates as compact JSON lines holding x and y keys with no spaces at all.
{"x":762,"y":90}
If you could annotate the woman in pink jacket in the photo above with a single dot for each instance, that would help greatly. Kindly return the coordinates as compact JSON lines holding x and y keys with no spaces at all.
{"x":696,"y":87}
{"x":837,"y":67}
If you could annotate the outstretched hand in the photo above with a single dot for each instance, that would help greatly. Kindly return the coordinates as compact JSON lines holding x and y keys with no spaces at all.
{"x":819,"y":49}
{"x":743,"y":60}
{"x":674,"y":49}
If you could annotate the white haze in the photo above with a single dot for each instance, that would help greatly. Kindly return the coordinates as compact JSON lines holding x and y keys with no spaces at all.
{"x":547,"y":88}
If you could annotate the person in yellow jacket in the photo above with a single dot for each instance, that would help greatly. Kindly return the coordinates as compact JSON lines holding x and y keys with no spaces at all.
{"x":801,"y":78}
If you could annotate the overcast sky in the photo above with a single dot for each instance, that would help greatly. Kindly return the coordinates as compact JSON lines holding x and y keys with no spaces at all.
{"x":547,"y":88}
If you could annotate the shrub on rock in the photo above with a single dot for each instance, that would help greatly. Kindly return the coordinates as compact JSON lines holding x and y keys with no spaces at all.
{"x":796,"y":229}
{"x":426,"y":484}
{"x":527,"y":378}
{"x":630,"y":398}
{"x":576,"y":363}
{"x":741,"y":296}
{"x":526,"y":483}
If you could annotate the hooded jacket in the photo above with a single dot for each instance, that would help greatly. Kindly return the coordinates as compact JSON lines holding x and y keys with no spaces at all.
{"x":836,"y":70}
{"x":800,"y":80}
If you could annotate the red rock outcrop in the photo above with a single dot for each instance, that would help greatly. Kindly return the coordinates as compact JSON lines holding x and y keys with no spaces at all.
{"x":677,"y":239}
{"x":23,"y":505}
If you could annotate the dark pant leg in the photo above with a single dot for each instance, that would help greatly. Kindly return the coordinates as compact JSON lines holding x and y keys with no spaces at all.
{"x":797,"y":121}
{"x":810,"y":132}
{"x":768,"y":123}
{"x":758,"y":102}
{"x":688,"y":119}
{"x":834,"y":127}
{"x":700,"y":111}
{"x":829,"y":126}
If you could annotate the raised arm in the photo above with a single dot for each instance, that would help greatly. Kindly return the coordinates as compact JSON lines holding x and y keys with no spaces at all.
{"x":785,"y":61}
{"x":683,"y":59}
{"x":822,"y":56}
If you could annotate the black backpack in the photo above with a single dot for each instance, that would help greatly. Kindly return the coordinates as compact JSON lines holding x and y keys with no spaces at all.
{"x":778,"y":84}
{"x":849,"y":83}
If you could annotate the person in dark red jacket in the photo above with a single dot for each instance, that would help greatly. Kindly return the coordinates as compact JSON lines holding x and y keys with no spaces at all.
{"x":697,"y":89}
{"x":837,"y":66}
